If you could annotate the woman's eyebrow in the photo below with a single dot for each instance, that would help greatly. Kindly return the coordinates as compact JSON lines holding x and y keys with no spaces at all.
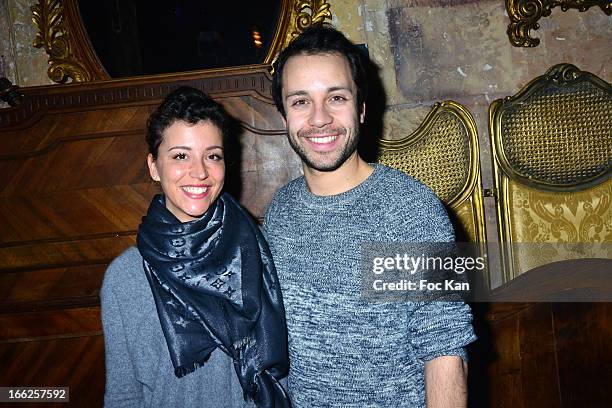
{"x":189,"y":148}
{"x":179,"y":148}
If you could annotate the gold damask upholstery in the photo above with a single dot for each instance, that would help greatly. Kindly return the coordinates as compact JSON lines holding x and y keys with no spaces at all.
{"x":552,"y":149}
{"x":443,"y":154}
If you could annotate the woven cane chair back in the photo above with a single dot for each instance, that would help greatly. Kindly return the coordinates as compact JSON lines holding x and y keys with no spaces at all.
{"x":552,"y":148}
{"x":443,"y":154}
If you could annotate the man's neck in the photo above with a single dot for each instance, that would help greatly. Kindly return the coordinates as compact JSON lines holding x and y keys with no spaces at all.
{"x":349,"y":175}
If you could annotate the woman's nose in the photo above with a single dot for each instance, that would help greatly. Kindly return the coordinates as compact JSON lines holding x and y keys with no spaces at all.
{"x":198,"y":170}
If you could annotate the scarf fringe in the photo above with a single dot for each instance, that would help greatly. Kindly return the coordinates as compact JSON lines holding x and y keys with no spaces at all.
{"x":182,"y":371}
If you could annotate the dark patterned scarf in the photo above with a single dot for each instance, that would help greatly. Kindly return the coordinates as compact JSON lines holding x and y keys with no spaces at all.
{"x":215,"y":286}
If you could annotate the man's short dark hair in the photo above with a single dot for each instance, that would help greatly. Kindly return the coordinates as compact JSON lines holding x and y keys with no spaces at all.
{"x":320,"y":39}
{"x":188,"y":105}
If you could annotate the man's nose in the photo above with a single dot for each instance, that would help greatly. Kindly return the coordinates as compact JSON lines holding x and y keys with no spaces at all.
{"x":320,"y":115}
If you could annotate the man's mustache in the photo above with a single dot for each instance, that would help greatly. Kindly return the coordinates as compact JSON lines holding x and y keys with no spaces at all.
{"x":321,"y":132}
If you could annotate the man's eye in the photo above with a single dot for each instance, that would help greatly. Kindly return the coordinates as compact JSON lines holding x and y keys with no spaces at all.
{"x":338,"y":98}
{"x":180,"y":156}
{"x":299,"y":102}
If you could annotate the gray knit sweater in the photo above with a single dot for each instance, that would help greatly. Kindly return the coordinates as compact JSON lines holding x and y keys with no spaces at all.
{"x":345,"y":351}
{"x":139,"y":372}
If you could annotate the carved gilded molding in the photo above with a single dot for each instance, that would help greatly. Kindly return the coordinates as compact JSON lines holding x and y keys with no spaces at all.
{"x":297,"y":15}
{"x":302,"y":15}
{"x":72,"y":57}
{"x":252,"y":81}
{"x":53,"y":34}
{"x":525,"y":14}
{"x":309,"y":12}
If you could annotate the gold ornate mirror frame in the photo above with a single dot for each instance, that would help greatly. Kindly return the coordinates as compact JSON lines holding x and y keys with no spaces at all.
{"x":524,"y":16}
{"x":72,"y":56}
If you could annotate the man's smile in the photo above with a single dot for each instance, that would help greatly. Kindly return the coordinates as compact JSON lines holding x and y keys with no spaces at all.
{"x":322,"y":139}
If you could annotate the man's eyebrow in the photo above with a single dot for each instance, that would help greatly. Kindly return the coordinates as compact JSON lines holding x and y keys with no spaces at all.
{"x":340,"y":88}
{"x":330,"y":89}
{"x":296,"y":93}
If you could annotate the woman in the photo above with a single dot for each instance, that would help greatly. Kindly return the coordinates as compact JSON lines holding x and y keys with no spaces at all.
{"x":193,"y":316}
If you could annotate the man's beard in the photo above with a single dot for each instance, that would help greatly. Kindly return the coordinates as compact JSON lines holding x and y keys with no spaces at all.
{"x":321,"y":165}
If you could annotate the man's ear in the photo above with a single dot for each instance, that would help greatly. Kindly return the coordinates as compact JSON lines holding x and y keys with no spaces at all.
{"x":362,"y":113}
{"x":152,"y":168}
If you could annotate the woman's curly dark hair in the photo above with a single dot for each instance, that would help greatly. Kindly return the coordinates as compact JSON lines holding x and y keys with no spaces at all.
{"x":185,"y":104}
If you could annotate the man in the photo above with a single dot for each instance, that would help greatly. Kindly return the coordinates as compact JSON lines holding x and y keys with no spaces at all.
{"x":345,"y":351}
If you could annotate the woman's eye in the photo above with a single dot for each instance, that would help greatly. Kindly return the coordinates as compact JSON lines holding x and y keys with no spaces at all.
{"x":338,"y":98}
{"x":180,"y":156}
{"x":215,"y":157}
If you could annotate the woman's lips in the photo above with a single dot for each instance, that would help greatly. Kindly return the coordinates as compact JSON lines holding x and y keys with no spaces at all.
{"x":196,"y":192}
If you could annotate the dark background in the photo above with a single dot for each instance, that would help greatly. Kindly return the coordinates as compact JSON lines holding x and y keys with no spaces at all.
{"x":142,"y":37}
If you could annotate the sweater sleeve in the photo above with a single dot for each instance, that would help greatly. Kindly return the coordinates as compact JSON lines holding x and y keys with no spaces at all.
{"x":438,"y":328}
{"x":441,"y":329}
{"x":122,"y":389}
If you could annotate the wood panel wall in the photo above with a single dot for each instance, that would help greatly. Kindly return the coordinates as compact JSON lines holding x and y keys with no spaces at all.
{"x":74,"y":187}
{"x":546,"y":354}
{"x":553,"y":355}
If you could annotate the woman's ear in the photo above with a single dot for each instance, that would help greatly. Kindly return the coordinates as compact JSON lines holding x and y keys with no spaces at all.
{"x":152,"y":167}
